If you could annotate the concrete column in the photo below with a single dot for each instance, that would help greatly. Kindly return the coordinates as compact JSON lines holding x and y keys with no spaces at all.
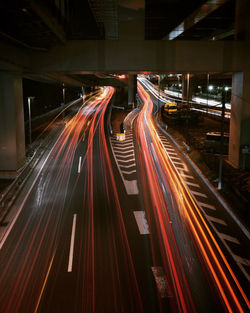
{"x":187,"y":87}
{"x":242,"y":21}
{"x":132,"y":89}
{"x":240,"y":119}
{"x":12,"y":137}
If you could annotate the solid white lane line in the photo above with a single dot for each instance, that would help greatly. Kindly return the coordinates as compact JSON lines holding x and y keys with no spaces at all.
{"x":161,"y":282}
{"x":216,"y":220}
{"x":205,"y":205}
{"x":196,"y":193}
{"x":229,"y":238}
{"x":71,"y":250}
{"x":141,"y":222}
{"x":192,"y":184}
{"x":79,"y":165}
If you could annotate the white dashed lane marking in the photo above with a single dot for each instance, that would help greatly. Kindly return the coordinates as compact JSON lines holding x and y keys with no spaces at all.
{"x":79,"y":165}
{"x":141,"y":222}
{"x":170,"y":149}
{"x":215,"y":220}
{"x":126,"y":161}
{"x":229,"y":238}
{"x":180,"y":163}
{"x":182,"y":169}
{"x":205,"y":205}
{"x":175,"y":158}
{"x":72,"y":241}
{"x":187,"y":176}
{"x":128,"y":173}
{"x":242,"y":260}
{"x":128,"y":166}
{"x":161,"y":282}
{"x":124,"y":155}
{"x":192,"y":184}
{"x":196,"y":193}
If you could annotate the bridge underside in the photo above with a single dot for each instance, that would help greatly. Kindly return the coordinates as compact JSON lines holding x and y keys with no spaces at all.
{"x":129,"y":56}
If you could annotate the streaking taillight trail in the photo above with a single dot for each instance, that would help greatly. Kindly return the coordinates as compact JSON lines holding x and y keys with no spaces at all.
{"x":160,"y":172}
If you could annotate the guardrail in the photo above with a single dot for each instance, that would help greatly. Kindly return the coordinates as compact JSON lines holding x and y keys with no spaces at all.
{"x":38,"y":148}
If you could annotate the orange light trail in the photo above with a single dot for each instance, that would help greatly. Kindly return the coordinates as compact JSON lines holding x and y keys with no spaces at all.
{"x":210,"y":251}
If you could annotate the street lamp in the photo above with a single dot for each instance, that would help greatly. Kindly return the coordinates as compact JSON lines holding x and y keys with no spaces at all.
{"x":63,"y":91}
{"x":29,"y":102}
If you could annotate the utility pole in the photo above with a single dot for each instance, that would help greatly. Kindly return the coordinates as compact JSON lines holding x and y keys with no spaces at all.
{"x":222,"y":137}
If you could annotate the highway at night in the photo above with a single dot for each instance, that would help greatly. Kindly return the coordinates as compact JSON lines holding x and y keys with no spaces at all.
{"x":105,"y":226}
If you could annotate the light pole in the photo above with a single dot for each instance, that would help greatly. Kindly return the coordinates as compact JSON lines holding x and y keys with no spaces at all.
{"x":159,"y":83}
{"x":207,"y":90}
{"x":29,"y":109}
{"x":63,"y":90}
{"x":222,"y":138}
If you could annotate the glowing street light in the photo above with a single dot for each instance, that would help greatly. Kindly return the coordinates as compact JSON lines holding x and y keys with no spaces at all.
{"x":211,"y":87}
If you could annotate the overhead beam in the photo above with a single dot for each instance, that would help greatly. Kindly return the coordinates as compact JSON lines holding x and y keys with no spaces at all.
{"x":13,"y":58}
{"x":45,"y":15}
{"x":145,"y":55}
{"x":64,"y":79}
{"x":203,"y":11}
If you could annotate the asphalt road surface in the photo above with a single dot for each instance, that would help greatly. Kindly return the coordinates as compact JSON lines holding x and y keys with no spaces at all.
{"x":106,"y":226}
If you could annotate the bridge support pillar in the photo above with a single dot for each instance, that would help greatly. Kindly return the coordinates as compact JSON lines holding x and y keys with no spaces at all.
{"x":12,"y":136}
{"x":240,"y":120}
{"x":187,"y":87}
{"x":132,"y":89}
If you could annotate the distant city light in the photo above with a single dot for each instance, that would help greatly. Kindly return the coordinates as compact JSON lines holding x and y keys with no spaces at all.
{"x":179,"y":85}
{"x":226,"y":88}
{"x":210,"y":87}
